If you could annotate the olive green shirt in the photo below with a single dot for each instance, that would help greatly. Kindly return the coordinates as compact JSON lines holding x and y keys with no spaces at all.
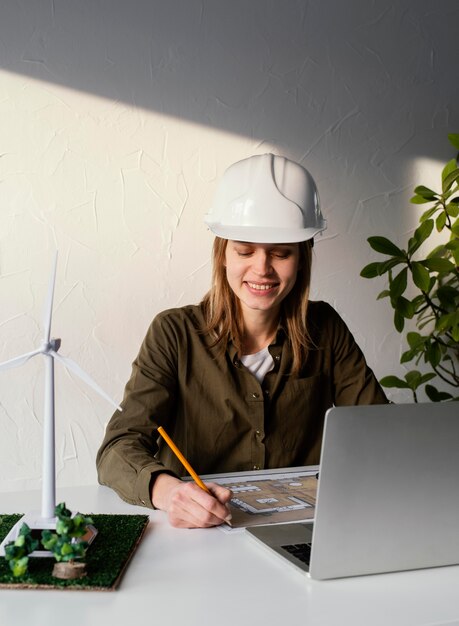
{"x":216,"y":411}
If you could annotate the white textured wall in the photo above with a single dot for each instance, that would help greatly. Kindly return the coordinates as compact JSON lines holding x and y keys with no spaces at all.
{"x":116,"y":119}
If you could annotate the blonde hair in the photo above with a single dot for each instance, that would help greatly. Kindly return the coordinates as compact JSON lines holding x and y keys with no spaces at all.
{"x":223,"y":313}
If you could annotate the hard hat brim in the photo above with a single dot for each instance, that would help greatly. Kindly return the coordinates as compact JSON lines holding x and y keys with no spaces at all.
{"x":255,"y":234}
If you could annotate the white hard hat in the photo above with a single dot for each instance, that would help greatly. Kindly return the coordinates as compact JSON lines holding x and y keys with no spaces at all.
{"x":266,"y":199}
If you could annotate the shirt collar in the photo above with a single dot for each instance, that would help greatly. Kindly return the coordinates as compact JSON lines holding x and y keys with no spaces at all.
{"x":275,"y":347}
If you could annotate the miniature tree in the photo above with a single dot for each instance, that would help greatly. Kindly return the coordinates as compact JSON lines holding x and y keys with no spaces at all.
{"x":17,"y":552}
{"x":66,"y":543}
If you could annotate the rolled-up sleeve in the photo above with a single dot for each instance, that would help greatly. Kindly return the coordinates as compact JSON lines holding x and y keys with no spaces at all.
{"x":126,"y":459}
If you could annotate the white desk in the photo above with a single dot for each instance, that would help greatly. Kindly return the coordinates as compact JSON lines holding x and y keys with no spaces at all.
{"x":203,"y":577}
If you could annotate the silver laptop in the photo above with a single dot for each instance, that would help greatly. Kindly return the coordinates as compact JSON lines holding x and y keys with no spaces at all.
{"x":388,"y":493}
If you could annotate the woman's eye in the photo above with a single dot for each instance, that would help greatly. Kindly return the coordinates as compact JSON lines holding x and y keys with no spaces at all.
{"x":244,"y":254}
{"x":281,"y":255}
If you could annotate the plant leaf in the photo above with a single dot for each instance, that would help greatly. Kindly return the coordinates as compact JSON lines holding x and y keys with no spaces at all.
{"x":437,"y":264}
{"x":432,"y":354}
{"x":448,"y":296}
{"x":449,"y":168}
{"x":393,"y":381}
{"x":425,"y":192}
{"x":404,"y":307}
{"x":371,"y":270}
{"x":408,"y":355}
{"x":438,"y":251}
{"x":414,"y":339}
{"x":452,"y":209}
{"x":449,"y":181}
{"x":437,"y":396}
{"x":389,"y":264}
{"x":426,"y":377}
{"x":421,"y":233}
{"x":454,"y":139}
{"x":444,"y":322}
{"x":428,"y":214}
{"x":399,"y":321}
{"x":421,"y":276}
{"x":413,"y":379}
{"x":440,"y":221}
{"x":398,"y":284}
{"x":420,"y":200}
{"x":384,"y":246}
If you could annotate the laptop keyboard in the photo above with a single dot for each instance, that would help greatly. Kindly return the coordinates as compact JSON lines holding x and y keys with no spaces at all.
{"x":301,"y":551}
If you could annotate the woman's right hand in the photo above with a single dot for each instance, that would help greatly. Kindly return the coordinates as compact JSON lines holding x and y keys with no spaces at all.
{"x":189,"y":506}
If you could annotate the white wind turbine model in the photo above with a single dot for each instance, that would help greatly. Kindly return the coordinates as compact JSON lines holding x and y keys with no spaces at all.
{"x":49,"y":349}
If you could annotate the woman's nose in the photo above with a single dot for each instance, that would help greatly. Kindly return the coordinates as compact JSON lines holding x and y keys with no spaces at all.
{"x":262,"y":263}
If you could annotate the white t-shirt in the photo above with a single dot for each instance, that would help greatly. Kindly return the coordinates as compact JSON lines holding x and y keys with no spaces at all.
{"x":259,"y":363}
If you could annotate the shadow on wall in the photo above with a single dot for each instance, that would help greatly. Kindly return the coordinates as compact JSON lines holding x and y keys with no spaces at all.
{"x":329,"y":78}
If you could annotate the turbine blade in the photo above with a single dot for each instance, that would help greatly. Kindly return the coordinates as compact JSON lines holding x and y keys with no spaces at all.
{"x":19,"y":360}
{"x":71,"y":365}
{"x":48,"y":312}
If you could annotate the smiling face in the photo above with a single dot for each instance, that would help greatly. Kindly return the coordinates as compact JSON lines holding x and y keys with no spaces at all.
{"x":261,"y":275}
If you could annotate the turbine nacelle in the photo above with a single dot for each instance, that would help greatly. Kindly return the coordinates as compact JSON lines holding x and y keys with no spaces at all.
{"x":51,"y":346}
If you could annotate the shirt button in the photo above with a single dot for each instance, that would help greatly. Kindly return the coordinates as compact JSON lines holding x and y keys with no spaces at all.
{"x":277,"y":357}
{"x":255,"y":395}
{"x":266,"y":392}
{"x":258,"y":433}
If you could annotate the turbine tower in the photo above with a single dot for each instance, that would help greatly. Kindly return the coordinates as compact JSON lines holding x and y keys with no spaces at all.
{"x":49,"y":350}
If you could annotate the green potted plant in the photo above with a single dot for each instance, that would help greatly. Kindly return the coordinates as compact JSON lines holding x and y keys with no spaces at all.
{"x":67,"y":544}
{"x":433,"y":277}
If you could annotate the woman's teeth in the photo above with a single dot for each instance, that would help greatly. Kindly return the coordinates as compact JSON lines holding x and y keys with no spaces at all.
{"x":260,"y":287}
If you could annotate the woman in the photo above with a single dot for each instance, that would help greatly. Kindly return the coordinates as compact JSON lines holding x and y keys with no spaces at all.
{"x":241,"y":381}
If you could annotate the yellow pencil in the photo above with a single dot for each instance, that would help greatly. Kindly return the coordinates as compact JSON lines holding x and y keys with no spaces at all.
{"x":182,"y":459}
